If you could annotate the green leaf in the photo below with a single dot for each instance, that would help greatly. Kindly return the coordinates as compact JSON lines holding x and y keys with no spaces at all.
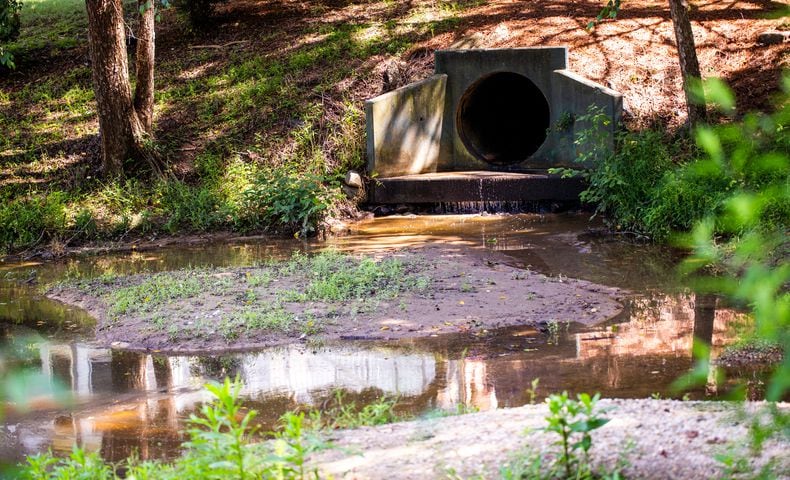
{"x":719,"y":95}
{"x":709,"y":141}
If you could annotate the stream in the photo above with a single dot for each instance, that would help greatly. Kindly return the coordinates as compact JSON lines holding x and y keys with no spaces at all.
{"x":123,"y":402}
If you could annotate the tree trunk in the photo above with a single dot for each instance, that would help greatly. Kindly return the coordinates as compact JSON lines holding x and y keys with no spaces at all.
{"x":687,"y":52}
{"x":124,"y":121}
{"x":144,"y":90}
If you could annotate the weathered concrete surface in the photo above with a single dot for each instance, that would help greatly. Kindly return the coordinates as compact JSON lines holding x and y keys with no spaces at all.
{"x":659,"y":439}
{"x":465,"y":67}
{"x":474,"y":186}
{"x":415,"y":129}
{"x":573,"y":96}
{"x":404,"y":128}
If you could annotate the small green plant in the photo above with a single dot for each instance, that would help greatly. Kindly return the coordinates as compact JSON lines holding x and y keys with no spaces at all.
{"x":553,"y":329}
{"x":574,"y":421}
{"x":152,"y":292}
{"x":343,"y":413}
{"x":259,"y":279}
{"x":219,"y":435}
{"x":532,"y":391}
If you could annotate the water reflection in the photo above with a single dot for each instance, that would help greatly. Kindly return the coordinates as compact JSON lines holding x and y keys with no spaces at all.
{"x":134,"y":402}
{"x":128,"y":401}
{"x":550,"y":244}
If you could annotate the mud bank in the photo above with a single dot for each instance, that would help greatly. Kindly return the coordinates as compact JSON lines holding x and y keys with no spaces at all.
{"x":409,"y":293}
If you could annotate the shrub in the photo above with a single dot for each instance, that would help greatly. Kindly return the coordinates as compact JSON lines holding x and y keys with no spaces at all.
{"x":26,"y":221}
{"x":654,"y":186}
{"x":9,"y":28}
{"x":298,"y":201}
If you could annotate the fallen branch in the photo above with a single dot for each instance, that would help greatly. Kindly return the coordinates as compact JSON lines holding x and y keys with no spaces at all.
{"x":217,"y":47}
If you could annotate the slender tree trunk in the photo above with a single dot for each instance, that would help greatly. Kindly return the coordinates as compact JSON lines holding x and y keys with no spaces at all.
{"x":106,"y":40}
{"x":144,"y":90}
{"x":687,"y":52}
{"x":124,"y":120}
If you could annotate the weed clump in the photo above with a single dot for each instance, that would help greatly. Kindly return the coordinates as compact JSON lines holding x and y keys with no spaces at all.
{"x":654,"y":186}
{"x":27,"y":221}
{"x":284,"y":197}
{"x":223,"y":443}
{"x":300,"y":297}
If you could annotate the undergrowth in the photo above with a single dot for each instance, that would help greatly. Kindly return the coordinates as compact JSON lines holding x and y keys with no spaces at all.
{"x":258,"y":139}
{"x":653,"y":185}
{"x":281,"y":199}
{"x":223,"y":443}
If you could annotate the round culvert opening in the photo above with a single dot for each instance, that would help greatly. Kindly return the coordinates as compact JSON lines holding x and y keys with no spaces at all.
{"x":502,"y":118}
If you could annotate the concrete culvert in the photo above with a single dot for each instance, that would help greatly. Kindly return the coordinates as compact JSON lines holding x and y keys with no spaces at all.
{"x":502,"y":118}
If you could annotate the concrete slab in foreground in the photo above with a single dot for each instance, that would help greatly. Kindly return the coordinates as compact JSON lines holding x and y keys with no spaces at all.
{"x":660,"y":439}
{"x":473,"y":186}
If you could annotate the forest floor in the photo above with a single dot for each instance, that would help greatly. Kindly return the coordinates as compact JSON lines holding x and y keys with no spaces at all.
{"x":282,"y":82}
{"x":404,"y":293}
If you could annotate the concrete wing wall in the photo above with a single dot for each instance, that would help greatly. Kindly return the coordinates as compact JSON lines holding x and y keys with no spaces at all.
{"x":573,"y":96}
{"x":404,"y":128}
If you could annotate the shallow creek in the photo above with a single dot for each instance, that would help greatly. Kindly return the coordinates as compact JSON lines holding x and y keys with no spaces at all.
{"x":124,"y":401}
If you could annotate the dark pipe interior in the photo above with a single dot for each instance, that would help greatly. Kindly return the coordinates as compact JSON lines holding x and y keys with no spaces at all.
{"x":502,"y":118}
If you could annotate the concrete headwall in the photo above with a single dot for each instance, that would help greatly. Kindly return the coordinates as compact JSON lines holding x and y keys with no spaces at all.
{"x":415,"y":129}
{"x":464,"y":67}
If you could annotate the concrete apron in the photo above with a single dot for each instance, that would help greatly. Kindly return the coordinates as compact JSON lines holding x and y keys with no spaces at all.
{"x":473,"y":186}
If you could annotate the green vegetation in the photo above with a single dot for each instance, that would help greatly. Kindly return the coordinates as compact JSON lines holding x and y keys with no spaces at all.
{"x":654,"y":186}
{"x":9,"y":28}
{"x":197,"y":303}
{"x":572,"y":421}
{"x":747,"y":237}
{"x":568,"y":418}
{"x":223,"y":443}
{"x":343,"y":413}
{"x":151,"y":293}
{"x":280,"y":197}
{"x":258,"y":139}
{"x":336,"y":277}
{"x":270,"y":317}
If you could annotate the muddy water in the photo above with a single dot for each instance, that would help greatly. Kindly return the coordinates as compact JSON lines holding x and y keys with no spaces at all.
{"x":125,"y":402}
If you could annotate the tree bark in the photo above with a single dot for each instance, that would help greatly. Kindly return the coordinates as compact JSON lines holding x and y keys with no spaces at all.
{"x":687,"y":53}
{"x":144,"y":90}
{"x":124,"y":121}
